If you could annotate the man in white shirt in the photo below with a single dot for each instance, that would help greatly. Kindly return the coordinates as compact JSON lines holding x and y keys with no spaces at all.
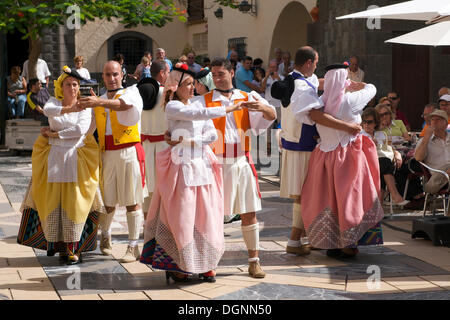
{"x":434,"y":150}
{"x":355,"y":73}
{"x":287,"y":66}
{"x":42,"y":71}
{"x":117,"y":117}
{"x":153,"y":122}
{"x":271,"y":77}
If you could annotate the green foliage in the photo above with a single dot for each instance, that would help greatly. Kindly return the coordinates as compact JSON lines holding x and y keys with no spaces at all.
{"x":228,"y":3}
{"x":30,"y":17}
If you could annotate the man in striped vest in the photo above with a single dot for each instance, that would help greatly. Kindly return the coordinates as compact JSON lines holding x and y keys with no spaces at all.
{"x":117,"y":117}
{"x":241,"y":189}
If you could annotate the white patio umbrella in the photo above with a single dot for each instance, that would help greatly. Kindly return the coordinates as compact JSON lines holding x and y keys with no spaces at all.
{"x":435,"y":35}
{"x":423,"y":10}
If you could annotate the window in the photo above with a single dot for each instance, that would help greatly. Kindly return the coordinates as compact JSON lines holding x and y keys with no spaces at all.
{"x":201,"y":41}
{"x":240,"y":45}
{"x":132,"y":45}
{"x":195,"y":10}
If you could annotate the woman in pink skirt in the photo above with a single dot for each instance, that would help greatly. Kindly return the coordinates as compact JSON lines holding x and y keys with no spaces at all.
{"x":184,"y":225}
{"x":341,"y":205}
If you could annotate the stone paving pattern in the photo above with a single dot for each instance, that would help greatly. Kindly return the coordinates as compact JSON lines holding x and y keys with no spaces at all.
{"x":410,"y":268}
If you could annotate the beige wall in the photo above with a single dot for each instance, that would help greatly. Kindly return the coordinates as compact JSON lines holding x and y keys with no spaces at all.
{"x":264,"y":32}
{"x":259,"y":30}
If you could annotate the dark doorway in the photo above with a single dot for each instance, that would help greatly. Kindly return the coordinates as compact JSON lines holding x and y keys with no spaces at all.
{"x":411,"y":80}
{"x":17,"y":50}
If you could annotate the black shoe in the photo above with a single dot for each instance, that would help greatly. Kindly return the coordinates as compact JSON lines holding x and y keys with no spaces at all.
{"x":51,"y":252}
{"x":174,"y":277}
{"x":334,"y":253}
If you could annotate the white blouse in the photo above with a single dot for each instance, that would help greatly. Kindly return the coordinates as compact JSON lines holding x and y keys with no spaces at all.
{"x":257,"y":122}
{"x":72,"y":128}
{"x":349,"y":111}
{"x":193,"y":123}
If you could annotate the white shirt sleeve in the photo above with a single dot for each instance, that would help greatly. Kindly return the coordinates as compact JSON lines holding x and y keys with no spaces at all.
{"x":46,"y":70}
{"x":176,"y":110}
{"x":359,"y":99}
{"x":80,"y":129}
{"x":52,"y":109}
{"x":257,"y":121}
{"x":209,"y":134}
{"x":303,"y":100}
{"x":131,"y":116}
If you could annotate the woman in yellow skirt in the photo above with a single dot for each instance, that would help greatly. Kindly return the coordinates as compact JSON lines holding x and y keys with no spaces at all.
{"x":65,"y":171}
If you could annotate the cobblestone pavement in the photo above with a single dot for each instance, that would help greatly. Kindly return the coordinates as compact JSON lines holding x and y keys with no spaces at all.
{"x":407,"y":268}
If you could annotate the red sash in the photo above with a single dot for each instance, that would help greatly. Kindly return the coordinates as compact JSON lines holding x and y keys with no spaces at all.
{"x":152,"y":139}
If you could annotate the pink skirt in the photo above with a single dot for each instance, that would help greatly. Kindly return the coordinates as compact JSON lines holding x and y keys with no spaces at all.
{"x":340,"y":198}
{"x":184,"y":226}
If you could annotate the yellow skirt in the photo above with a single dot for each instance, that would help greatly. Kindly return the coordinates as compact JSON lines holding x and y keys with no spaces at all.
{"x":63,"y":207}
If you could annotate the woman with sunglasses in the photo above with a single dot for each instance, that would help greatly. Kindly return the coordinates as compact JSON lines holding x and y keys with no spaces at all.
{"x":388,"y":158}
{"x":184,"y":225}
{"x":392,"y":127}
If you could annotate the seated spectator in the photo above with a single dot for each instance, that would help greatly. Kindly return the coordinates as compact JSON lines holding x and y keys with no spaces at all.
{"x":388,"y":158}
{"x":429,"y":109}
{"x":355,"y":73}
{"x":399,"y":115}
{"x":16,"y":90}
{"x":389,"y":125}
{"x":287,"y":65}
{"x":434,"y":150}
{"x":36,"y":100}
{"x":444,"y":103}
{"x":79,"y":61}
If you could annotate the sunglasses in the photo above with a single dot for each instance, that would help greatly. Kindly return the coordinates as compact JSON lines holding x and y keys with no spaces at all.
{"x":393,"y":98}
{"x":368,"y":121}
{"x":384,"y":114}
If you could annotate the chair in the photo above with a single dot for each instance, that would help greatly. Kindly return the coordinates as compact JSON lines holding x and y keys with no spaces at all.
{"x":443,"y":193}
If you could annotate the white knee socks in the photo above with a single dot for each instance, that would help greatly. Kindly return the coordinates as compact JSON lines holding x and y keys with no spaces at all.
{"x":251,"y":236}
{"x":134,"y":220}
{"x":297,"y":221}
{"x":105,"y":221}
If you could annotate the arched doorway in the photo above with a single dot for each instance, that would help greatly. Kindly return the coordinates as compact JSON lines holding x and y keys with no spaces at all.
{"x":132,"y":45}
{"x":290,"y":32}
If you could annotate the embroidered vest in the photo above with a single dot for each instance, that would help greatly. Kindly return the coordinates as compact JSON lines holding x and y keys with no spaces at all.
{"x":121,"y":134}
{"x":242,"y":122}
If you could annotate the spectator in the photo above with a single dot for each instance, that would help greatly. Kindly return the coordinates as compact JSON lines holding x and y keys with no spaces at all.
{"x":138,"y":72}
{"x":286,"y":66}
{"x":16,"y":90}
{"x":161,"y":55}
{"x":429,"y":109}
{"x":399,"y":115}
{"x":121,"y":59}
{"x":444,"y":103}
{"x":231,"y":48}
{"x":145,"y":70}
{"x":36,"y":99}
{"x":355,"y":73}
{"x":79,"y":61}
{"x":258,"y":76}
{"x":42,"y":72}
{"x":278,"y":56}
{"x":183,"y":59}
{"x":192,"y":65}
{"x":257,"y":63}
{"x":244,"y":77}
{"x":271,"y":77}
{"x":234,"y":59}
{"x":388,"y":158}
{"x":389,"y":125}
{"x":206,"y":63}
{"x":434,"y":150}
{"x":443,"y":90}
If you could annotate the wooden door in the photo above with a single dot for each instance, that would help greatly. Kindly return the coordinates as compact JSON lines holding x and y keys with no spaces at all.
{"x":411,"y":80}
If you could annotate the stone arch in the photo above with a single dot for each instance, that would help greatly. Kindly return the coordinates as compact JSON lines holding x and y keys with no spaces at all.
{"x":132,"y":44}
{"x":291,"y":31}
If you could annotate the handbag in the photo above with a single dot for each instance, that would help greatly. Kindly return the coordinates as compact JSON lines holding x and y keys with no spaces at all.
{"x":384,"y":150}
